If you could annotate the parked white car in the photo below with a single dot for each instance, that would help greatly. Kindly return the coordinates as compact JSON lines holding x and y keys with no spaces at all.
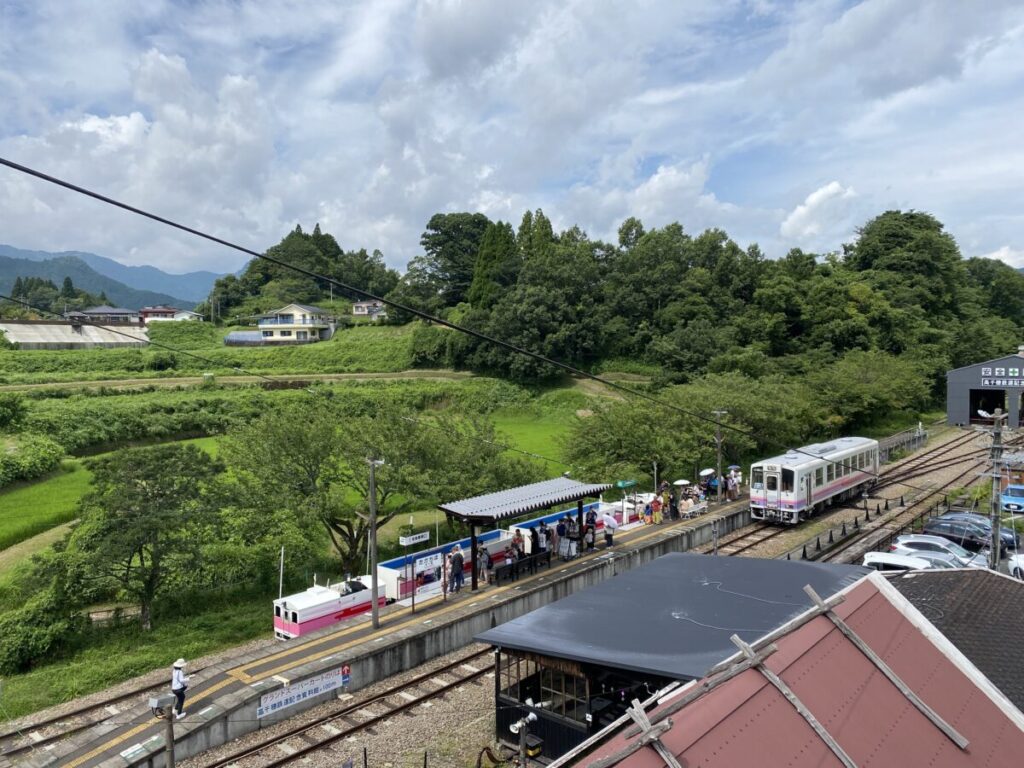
{"x":887,"y":561}
{"x":1016,"y":566}
{"x":912,"y":543}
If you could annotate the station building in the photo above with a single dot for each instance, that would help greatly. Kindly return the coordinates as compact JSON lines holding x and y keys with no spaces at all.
{"x":984,"y":387}
{"x":578,"y":663}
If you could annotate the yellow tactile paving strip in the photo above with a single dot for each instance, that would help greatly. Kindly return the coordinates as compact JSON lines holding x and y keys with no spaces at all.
{"x":328,"y":645}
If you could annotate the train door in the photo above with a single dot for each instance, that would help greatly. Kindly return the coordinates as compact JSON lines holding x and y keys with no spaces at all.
{"x":808,"y":481}
{"x":771,"y":490}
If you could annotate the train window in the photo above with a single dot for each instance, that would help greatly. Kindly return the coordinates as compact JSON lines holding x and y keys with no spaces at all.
{"x":831,"y":472}
{"x":787,"y":481}
{"x":277,"y":610}
{"x":819,"y":476}
{"x":295,"y":617}
{"x":757,"y":478}
{"x":773,"y":482}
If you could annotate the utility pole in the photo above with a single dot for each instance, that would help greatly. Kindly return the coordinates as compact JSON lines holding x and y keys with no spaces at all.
{"x":280,"y":578}
{"x":375,"y":609}
{"x":997,"y":465}
{"x":169,"y":738}
{"x":718,"y":445}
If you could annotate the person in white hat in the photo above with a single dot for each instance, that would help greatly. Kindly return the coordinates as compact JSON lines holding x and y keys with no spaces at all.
{"x":179,"y":684}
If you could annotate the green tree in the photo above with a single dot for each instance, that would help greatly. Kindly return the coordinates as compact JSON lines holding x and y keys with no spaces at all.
{"x":143,"y":525}
{"x":67,"y":290}
{"x":451,"y":243}
{"x":497,"y":265}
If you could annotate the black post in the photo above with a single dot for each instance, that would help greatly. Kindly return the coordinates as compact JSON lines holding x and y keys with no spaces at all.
{"x":579,"y":526}
{"x":366,"y":762}
{"x":805,"y":552}
{"x":473,"y":546}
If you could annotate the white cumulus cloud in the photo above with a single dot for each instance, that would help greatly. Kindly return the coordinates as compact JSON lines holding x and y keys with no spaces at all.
{"x":822,"y":210}
{"x":1012,"y":256}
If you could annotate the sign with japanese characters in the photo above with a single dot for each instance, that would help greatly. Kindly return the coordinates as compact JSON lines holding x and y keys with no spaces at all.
{"x":416,"y":538}
{"x":1002,"y":377}
{"x":291,"y":695}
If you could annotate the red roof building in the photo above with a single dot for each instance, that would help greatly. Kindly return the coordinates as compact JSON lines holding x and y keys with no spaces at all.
{"x":863,"y":680}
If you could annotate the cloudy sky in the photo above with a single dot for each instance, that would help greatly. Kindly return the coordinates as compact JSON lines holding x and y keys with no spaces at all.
{"x":786,"y":124}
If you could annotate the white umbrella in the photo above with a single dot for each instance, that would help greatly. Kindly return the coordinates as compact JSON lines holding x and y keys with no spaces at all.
{"x":707,"y":472}
{"x":681,"y":482}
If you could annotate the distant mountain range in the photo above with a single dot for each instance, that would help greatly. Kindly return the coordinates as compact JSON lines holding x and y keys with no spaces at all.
{"x":85,"y":277}
{"x":193,"y":286}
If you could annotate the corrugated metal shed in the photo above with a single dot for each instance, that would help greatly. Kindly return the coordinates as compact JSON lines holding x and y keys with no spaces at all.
{"x":674,"y":616}
{"x":36,"y":335}
{"x":524,"y":499}
{"x":745,"y":720}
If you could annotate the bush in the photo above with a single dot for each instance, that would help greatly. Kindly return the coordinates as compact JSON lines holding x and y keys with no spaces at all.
{"x":35,"y":632}
{"x":29,"y":457}
{"x":12,"y":411}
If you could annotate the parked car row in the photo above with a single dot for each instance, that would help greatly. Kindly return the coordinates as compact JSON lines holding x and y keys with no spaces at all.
{"x":955,"y":540}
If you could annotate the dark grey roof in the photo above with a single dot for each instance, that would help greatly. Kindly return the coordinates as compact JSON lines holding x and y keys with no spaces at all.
{"x":106,"y":309}
{"x":674,"y":616}
{"x":981,"y":613}
{"x":524,"y":499}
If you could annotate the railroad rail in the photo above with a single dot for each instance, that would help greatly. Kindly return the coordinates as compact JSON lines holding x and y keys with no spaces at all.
{"x":460,"y":670}
{"x":18,"y":742}
{"x":838,"y":552}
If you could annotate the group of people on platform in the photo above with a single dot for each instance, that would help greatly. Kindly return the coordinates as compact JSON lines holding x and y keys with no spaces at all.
{"x":568,"y":539}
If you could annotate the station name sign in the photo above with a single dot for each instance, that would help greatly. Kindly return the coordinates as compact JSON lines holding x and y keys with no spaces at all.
{"x":1002,"y":377}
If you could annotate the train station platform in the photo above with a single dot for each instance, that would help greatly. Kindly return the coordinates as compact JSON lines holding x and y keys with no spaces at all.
{"x":263,"y":687}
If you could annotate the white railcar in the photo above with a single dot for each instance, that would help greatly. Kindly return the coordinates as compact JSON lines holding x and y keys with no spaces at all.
{"x":796,"y":485}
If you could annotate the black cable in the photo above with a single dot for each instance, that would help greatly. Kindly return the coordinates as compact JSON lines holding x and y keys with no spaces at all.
{"x":389,"y":302}
{"x":397,"y":305}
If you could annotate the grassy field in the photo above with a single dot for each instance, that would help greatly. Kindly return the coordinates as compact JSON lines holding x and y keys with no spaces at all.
{"x":126,"y":652}
{"x":360,"y":349}
{"x":27,"y":509}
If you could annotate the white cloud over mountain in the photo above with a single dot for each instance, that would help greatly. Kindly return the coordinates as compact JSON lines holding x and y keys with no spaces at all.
{"x":245,"y":118}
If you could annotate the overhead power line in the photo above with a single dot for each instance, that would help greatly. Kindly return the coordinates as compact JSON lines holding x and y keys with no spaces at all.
{"x":398,"y":305}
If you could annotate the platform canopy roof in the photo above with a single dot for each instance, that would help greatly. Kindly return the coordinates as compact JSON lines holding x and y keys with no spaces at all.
{"x":523,"y":500}
{"x":674,"y":616}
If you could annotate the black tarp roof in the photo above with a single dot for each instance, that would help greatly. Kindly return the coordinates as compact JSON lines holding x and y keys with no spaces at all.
{"x":523,"y":499}
{"x":674,"y":616}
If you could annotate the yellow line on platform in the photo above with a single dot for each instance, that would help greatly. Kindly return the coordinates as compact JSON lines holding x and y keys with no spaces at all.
{"x":395,"y":627}
{"x":237,"y":674}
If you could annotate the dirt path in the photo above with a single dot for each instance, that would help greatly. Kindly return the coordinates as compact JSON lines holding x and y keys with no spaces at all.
{"x":13,"y":555}
{"x":185,"y":381}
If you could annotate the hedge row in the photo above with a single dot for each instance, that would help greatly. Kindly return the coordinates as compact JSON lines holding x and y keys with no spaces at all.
{"x":28,"y":457}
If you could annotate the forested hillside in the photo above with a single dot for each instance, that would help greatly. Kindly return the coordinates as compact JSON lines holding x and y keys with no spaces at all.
{"x":669,"y":303}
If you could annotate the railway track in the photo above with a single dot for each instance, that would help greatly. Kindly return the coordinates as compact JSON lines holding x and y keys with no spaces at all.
{"x":21,"y":741}
{"x":840,"y":552}
{"x":342,"y":722}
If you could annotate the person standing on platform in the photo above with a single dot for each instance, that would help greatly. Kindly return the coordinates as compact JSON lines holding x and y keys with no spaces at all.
{"x":458,"y":562}
{"x":179,"y":684}
{"x":656,"y":510}
{"x":543,"y":536}
{"x":534,"y":541}
{"x":562,"y":531}
{"x":610,"y":525}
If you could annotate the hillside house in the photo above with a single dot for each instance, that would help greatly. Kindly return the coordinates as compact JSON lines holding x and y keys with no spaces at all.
{"x":105,"y":315}
{"x":164,"y":313}
{"x":372,"y":309}
{"x":292,"y":324}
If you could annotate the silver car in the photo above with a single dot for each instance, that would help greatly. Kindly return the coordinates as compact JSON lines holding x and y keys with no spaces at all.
{"x":916,"y":543}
